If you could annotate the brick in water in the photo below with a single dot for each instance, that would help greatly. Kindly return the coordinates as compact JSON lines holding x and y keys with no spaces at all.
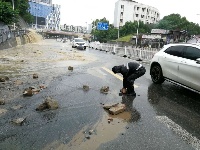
{"x":70,"y":68}
{"x":2,"y":102}
{"x":104,"y":89}
{"x":86,"y":87}
{"x":108,"y":106}
{"x":35,"y":76}
{"x":117,"y":109}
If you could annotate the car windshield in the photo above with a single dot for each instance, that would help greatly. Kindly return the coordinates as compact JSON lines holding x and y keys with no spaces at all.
{"x":79,"y":40}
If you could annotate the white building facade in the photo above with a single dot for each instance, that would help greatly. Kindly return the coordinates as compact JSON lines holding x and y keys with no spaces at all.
{"x":53,"y":19}
{"x":128,"y":10}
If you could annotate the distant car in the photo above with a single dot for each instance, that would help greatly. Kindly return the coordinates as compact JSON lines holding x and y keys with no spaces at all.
{"x":79,"y":43}
{"x":178,"y":63}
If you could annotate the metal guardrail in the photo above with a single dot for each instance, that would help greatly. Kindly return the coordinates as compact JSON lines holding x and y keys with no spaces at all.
{"x":145,"y":54}
{"x":6,"y":35}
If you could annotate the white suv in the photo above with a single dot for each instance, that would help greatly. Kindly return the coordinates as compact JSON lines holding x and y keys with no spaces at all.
{"x":178,"y":63}
{"x":79,"y":43}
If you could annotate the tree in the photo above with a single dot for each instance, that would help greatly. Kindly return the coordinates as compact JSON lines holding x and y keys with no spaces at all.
{"x":7,"y":14}
{"x":101,"y":35}
{"x":21,"y":8}
{"x":176,"y":22}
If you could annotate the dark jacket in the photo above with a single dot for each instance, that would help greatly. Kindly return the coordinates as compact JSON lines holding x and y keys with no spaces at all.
{"x":129,"y":68}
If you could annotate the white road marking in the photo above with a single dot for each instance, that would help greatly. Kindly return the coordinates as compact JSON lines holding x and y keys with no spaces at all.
{"x":116,"y":75}
{"x":102,"y":72}
{"x":187,"y":137}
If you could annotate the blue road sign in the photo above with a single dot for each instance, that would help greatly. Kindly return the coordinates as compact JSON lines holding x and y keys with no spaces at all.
{"x":102,"y":26}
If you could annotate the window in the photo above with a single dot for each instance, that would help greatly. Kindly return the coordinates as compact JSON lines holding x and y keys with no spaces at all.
{"x":175,"y":51}
{"x":136,"y":15}
{"x":122,"y":6}
{"x":191,"y":53}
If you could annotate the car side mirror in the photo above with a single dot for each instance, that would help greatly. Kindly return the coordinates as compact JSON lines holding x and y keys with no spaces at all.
{"x":198,"y":61}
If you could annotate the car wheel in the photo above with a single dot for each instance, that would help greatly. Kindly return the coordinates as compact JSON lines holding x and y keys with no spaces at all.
{"x":156,"y":74}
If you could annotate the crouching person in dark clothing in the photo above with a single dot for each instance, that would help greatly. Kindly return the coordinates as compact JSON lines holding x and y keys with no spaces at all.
{"x":130,"y":71}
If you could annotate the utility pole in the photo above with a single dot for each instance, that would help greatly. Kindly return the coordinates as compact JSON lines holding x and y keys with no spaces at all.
{"x":137,"y":33}
{"x":13,"y":9}
{"x":118,"y":33}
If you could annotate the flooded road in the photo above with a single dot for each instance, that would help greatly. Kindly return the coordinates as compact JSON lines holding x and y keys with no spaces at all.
{"x":159,"y":117}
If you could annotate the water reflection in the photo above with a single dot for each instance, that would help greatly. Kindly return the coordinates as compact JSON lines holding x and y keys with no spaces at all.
{"x":172,"y":93}
{"x":178,"y":104}
{"x":128,"y":101}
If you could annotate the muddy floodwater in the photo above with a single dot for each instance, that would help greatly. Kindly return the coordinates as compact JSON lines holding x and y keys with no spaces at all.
{"x":47,"y":58}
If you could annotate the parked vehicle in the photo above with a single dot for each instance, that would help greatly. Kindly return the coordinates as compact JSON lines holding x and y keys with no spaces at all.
{"x":79,"y":43}
{"x":178,"y":63}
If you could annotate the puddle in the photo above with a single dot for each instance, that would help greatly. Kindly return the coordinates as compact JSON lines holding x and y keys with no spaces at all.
{"x":103,"y":132}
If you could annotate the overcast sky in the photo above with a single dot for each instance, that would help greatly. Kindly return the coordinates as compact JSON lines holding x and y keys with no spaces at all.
{"x":78,"y":12}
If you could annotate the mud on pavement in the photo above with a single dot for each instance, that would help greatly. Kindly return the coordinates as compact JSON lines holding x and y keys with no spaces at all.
{"x":47,"y":59}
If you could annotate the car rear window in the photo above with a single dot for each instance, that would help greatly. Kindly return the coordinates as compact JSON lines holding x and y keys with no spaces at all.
{"x":175,"y":51}
{"x":79,"y":40}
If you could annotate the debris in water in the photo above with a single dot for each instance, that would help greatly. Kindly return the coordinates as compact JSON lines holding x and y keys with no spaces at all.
{"x":111,"y":119}
{"x":2,"y":111}
{"x":35,"y":91}
{"x":86,"y":88}
{"x":91,"y":132}
{"x":18,"y":121}
{"x":3,"y":78}
{"x":115,"y":109}
{"x":108,"y":106}
{"x":17,"y":107}
{"x":104,"y":89}
{"x":18,"y":82}
{"x":87,"y":136}
{"x":28,"y":92}
{"x":35,"y":76}
{"x":42,"y":87}
{"x":49,"y":103}
{"x":2,"y":102}
{"x":70,"y":68}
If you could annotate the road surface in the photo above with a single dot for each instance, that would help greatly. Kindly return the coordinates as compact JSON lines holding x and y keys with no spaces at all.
{"x":160,"y":117}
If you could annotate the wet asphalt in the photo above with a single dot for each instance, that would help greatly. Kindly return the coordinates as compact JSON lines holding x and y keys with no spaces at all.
{"x":80,"y":111}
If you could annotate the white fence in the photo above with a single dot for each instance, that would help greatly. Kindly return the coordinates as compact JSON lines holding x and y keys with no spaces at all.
{"x":144,"y":54}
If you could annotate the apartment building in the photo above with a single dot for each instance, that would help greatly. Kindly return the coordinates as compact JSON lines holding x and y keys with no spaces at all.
{"x":128,"y":10}
{"x":46,"y":15}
